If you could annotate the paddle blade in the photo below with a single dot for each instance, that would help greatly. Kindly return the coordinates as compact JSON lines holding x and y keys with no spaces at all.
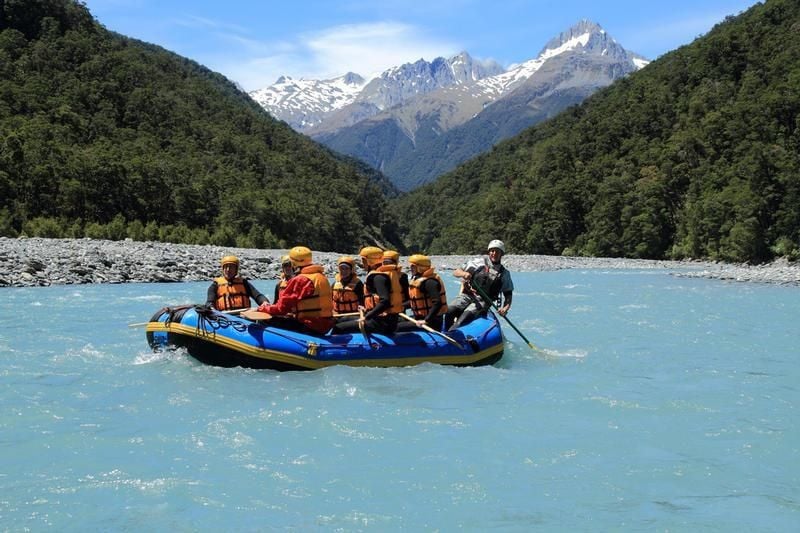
{"x":255,"y":315}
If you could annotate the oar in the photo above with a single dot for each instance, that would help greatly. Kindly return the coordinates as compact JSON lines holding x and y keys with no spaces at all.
{"x":363,"y":329}
{"x":231,"y":312}
{"x":254,"y":315}
{"x":426,"y":327}
{"x":491,"y":302}
{"x":236,"y":311}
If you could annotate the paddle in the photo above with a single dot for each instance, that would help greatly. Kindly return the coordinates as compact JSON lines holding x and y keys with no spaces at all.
{"x":363,"y":328}
{"x":254,"y":315}
{"x":231,"y":312}
{"x":491,"y":302}
{"x":236,"y":311}
{"x":426,"y":327}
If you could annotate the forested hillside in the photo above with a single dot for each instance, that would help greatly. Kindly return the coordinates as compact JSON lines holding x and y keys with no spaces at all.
{"x":696,"y":155}
{"x":106,"y":136}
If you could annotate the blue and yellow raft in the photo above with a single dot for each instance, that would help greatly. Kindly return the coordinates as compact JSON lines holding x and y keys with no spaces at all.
{"x":226,"y":340}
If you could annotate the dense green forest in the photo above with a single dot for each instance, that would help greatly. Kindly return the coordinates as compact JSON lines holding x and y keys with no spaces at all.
{"x":696,"y":155}
{"x":106,"y":136}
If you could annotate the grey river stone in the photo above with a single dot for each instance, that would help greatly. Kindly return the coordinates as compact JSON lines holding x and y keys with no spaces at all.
{"x":26,"y":262}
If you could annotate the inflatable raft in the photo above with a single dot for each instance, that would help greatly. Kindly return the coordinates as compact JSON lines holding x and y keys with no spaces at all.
{"x":226,"y":340}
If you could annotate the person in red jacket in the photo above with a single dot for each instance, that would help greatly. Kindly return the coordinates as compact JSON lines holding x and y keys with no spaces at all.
{"x":305,"y":304}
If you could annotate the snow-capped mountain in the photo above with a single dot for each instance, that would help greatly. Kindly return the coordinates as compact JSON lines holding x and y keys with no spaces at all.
{"x":418,"y":120}
{"x":302,"y":103}
{"x":568,"y":70}
{"x":399,"y":84}
{"x":307,"y":105}
{"x":430,"y":134}
{"x":586,"y":37}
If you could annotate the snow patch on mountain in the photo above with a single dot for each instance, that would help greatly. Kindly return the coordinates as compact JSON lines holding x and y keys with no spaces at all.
{"x":501,"y":84}
{"x":304,"y":102}
{"x":316,"y":106}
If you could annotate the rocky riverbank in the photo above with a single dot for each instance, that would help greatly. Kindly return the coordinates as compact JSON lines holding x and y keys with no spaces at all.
{"x":30,"y":262}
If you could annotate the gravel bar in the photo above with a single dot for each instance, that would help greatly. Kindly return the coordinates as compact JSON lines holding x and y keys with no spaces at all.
{"x":31,"y":262}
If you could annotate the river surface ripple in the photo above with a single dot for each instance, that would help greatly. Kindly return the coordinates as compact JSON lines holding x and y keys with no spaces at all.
{"x":657,"y":403}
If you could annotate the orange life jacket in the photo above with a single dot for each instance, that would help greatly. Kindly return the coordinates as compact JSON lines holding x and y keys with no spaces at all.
{"x":231,"y":294}
{"x":422,"y":303}
{"x":319,"y":304}
{"x":396,"y":295}
{"x":345,"y":298}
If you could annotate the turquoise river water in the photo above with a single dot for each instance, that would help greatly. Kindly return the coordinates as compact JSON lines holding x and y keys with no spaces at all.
{"x":658,"y":404}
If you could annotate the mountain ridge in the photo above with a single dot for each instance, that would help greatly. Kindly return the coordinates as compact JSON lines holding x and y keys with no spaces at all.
{"x":569,"y":67}
{"x":307,"y":105}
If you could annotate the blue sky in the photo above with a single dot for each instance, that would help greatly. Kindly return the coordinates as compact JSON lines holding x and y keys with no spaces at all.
{"x":253,"y":42}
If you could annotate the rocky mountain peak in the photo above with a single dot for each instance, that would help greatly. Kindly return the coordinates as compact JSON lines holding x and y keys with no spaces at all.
{"x":398,"y":84}
{"x":315,"y":107}
{"x":351,"y":78}
{"x":587,"y":36}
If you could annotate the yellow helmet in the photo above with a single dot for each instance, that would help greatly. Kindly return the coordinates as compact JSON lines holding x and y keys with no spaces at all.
{"x":372,"y":255}
{"x":286,"y":260}
{"x":230,"y":260}
{"x":300,"y":256}
{"x":346,"y":259}
{"x":420,"y":260}
{"x":390,"y":257}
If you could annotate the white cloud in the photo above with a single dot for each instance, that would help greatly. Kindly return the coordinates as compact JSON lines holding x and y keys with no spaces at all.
{"x":367,"y":49}
{"x":193,"y":21}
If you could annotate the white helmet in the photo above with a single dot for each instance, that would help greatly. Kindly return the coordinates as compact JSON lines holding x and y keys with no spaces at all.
{"x":497,"y":244}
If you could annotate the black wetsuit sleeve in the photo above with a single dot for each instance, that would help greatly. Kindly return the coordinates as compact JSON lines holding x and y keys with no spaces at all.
{"x":254,"y":293}
{"x":359,"y":290}
{"x":383,"y":288}
{"x":211,"y":295}
{"x":507,"y":297}
{"x":277,"y":291}
{"x":431,"y":288}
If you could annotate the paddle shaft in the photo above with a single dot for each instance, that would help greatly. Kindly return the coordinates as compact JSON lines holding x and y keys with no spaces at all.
{"x":231,"y":312}
{"x":236,"y":311}
{"x":426,"y":327}
{"x":491,"y":302}
{"x":362,"y":326}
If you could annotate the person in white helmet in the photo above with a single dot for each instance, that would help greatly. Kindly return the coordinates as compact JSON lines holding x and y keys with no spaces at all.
{"x":491,"y":276}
